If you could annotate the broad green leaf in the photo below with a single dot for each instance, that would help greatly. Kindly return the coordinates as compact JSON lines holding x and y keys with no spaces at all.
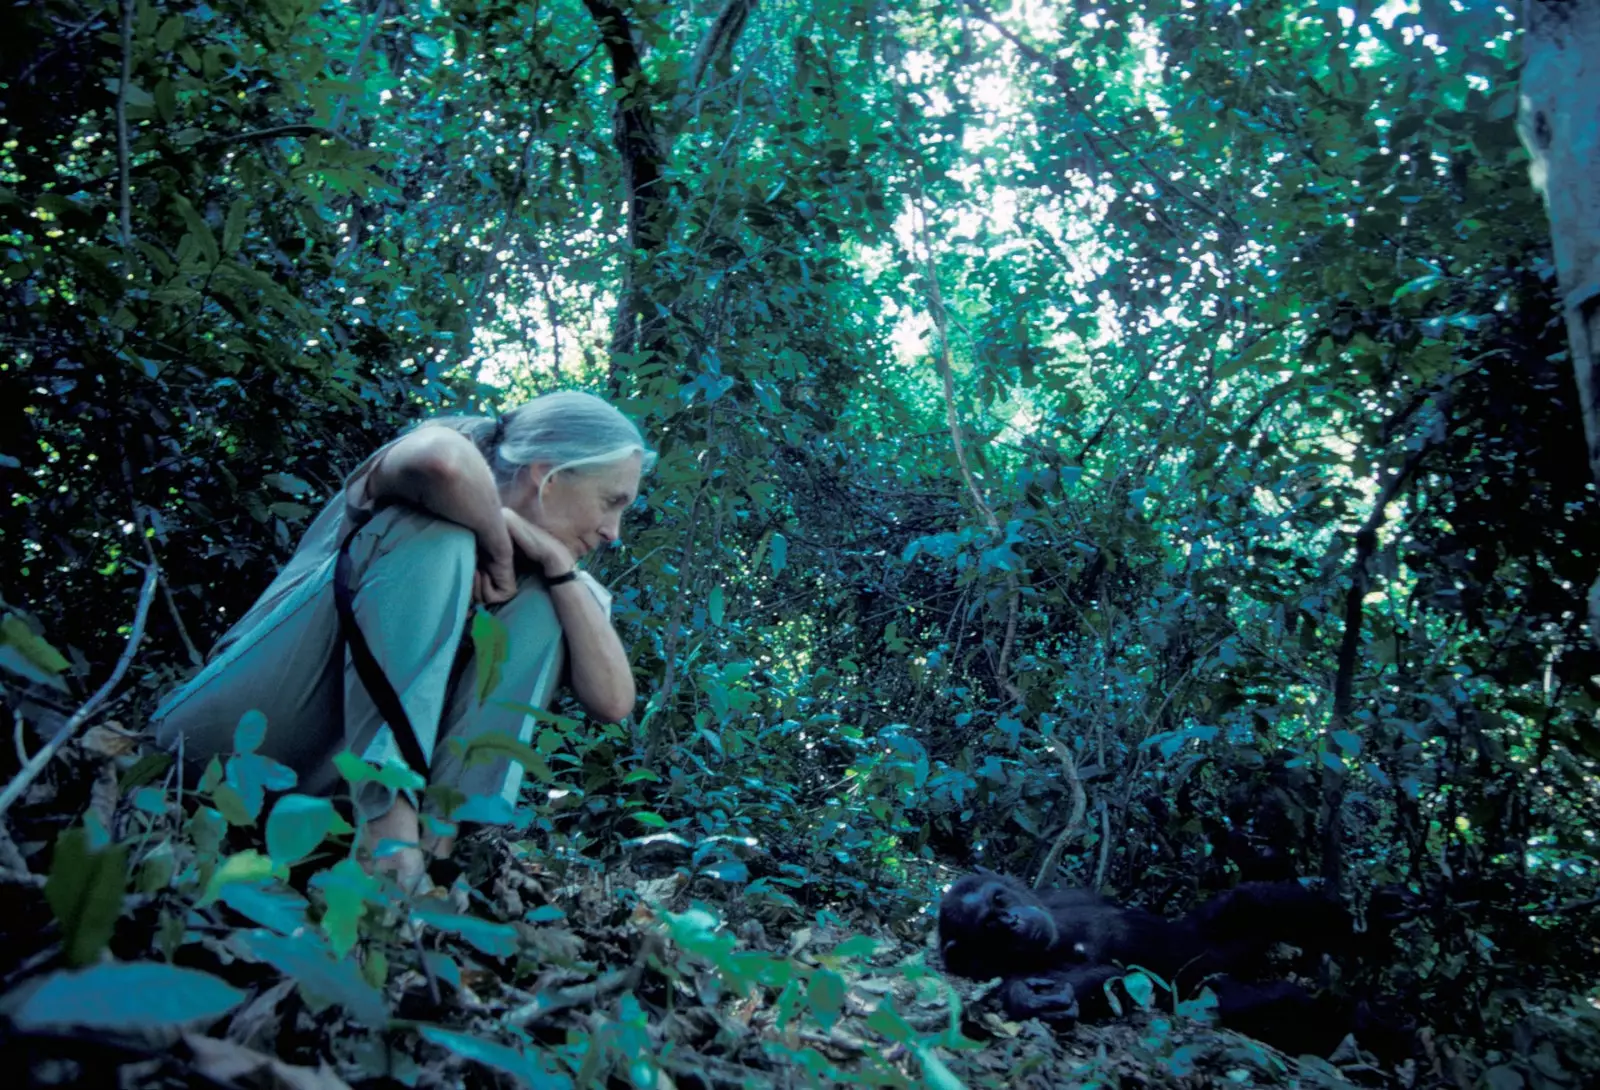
{"x":856,"y":946}
{"x":233,"y":227}
{"x":1140,"y":989}
{"x":250,"y":733}
{"x":934,"y":1071}
{"x":85,"y":891}
{"x":346,"y":889}
{"x":779,"y":553}
{"x":825,"y":993}
{"x":251,"y":776}
{"x":127,"y":997}
{"x":498,"y":745}
{"x":491,"y":644}
{"x":319,"y":973}
{"x":495,"y":939}
{"x":396,"y":775}
{"x":491,"y":1054}
{"x":34,"y":650}
{"x":246,"y":866}
{"x":716,"y":605}
{"x":650,"y":818}
{"x":1349,"y":743}
{"x":272,"y":906}
{"x":296,"y":826}
{"x":287,"y":482}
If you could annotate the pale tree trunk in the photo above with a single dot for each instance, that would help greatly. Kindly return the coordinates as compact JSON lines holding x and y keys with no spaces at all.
{"x":1559,"y":121}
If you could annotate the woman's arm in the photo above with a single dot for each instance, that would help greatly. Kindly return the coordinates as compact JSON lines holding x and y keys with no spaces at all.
{"x":602,"y":680}
{"x":442,"y":472}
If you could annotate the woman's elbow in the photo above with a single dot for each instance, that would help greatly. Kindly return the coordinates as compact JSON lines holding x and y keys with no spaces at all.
{"x":611,"y":705}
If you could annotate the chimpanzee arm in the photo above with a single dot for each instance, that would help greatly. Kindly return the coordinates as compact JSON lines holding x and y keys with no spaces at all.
{"x":1062,"y":995}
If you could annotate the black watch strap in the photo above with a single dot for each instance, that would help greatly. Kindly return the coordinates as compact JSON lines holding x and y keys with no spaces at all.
{"x":564,"y":577}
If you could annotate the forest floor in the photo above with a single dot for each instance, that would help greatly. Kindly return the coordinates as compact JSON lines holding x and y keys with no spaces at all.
{"x":508,"y":973}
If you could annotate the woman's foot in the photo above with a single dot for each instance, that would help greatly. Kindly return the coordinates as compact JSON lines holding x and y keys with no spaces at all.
{"x":407,"y":864}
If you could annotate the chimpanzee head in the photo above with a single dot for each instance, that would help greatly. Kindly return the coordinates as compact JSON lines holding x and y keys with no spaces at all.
{"x":990,"y":925}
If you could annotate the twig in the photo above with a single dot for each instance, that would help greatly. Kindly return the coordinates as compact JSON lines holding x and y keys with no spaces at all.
{"x":1080,"y":803}
{"x":18,"y":726}
{"x":30,"y":771}
{"x":139,"y":520}
{"x":581,"y":995}
{"x":1105,"y":846}
{"x":124,"y":171}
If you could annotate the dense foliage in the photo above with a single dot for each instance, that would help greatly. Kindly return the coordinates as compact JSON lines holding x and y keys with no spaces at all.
{"x":1133,"y":439}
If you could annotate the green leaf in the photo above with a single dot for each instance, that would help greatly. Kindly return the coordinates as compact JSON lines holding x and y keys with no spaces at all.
{"x":199,"y":230}
{"x":1141,"y":989}
{"x":318,"y":973}
{"x":497,"y":745}
{"x":250,"y":733}
{"x":296,"y":826}
{"x":268,"y":905}
{"x":490,"y":1054}
{"x":34,"y":649}
{"x":650,"y":818}
{"x":716,"y":605}
{"x":856,"y":946}
{"x":396,"y":775}
{"x":495,"y":939}
{"x":287,"y":482}
{"x":246,"y":866}
{"x":779,"y":555}
{"x":934,"y":1071}
{"x":137,"y":996}
{"x":1424,"y":282}
{"x":346,"y":889}
{"x":1349,"y":744}
{"x":825,"y":993}
{"x":641,"y":774}
{"x":491,"y":643}
{"x":233,"y":227}
{"x":85,"y":892}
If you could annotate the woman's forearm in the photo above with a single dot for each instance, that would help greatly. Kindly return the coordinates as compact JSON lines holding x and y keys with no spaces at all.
{"x":601,"y":677}
{"x":442,"y":472}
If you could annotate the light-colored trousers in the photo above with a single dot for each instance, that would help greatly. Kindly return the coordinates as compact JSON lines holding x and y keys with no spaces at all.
{"x":412,"y":582}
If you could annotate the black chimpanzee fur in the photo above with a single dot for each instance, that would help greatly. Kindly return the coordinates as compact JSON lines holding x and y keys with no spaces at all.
{"x":1057,"y":950}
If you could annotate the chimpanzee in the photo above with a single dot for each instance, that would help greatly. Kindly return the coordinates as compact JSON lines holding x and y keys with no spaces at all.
{"x":1056,"y":950}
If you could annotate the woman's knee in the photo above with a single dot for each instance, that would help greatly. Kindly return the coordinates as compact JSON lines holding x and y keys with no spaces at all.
{"x":437,"y":548}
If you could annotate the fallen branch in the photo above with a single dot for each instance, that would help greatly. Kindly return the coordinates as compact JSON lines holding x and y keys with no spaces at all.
{"x":36,"y":764}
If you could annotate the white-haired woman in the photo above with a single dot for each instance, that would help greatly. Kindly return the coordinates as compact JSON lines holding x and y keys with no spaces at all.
{"x":376,"y":600}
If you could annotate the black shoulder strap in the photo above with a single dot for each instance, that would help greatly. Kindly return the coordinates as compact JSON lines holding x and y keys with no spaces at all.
{"x":373,"y":679}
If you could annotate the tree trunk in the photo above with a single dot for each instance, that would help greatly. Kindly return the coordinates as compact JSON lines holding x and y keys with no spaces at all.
{"x":1560,"y":124}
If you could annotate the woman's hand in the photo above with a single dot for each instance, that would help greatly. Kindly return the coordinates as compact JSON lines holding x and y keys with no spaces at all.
{"x":552,"y":557}
{"x":495,"y":581}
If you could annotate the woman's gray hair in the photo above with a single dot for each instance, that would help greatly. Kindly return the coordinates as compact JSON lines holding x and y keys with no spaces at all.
{"x":568,"y":430}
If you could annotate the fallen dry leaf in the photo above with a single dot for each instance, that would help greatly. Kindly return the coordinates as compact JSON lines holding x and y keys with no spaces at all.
{"x":226,"y":1062}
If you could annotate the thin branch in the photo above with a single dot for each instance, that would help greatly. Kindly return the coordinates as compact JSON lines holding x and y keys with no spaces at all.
{"x":124,"y":171}
{"x":719,"y":40}
{"x":30,"y":771}
{"x":941,"y":325}
{"x":1080,"y":803}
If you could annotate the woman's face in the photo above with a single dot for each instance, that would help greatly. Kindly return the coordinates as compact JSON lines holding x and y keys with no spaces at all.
{"x":582,"y":509}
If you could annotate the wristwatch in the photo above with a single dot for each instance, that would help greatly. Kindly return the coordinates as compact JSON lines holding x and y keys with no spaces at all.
{"x":564,"y":577}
